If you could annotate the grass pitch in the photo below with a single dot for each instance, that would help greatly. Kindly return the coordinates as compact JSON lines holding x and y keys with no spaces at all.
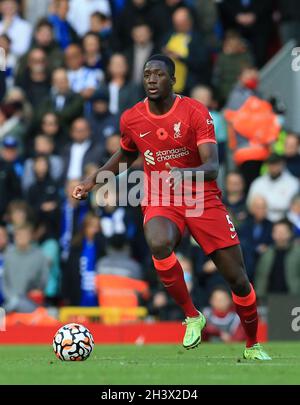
{"x":153,"y":364}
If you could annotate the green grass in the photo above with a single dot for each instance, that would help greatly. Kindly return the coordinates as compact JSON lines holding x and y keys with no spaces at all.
{"x":153,"y":364}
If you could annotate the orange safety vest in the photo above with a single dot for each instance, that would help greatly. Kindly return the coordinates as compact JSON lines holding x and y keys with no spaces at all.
{"x":252,"y":130}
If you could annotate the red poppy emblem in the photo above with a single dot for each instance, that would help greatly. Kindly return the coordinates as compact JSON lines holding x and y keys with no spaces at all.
{"x":162,"y":134}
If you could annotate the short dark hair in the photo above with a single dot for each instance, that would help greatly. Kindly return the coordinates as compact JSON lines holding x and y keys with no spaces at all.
{"x":286,"y":222}
{"x":43,"y":22}
{"x":166,"y":60}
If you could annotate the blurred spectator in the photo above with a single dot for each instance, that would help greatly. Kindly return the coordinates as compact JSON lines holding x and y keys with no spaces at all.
{"x":293,"y":215}
{"x":102,"y":25}
{"x":278,"y":270}
{"x":87,"y":247}
{"x":43,"y":194}
{"x":18,"y":30}
{"x":118,"y":261}
{"x":247,"y":86}
{"x":10,"y":153}
{"x":2,"y":84}
{"x":81,"y":150}
{"x":134,"y":11}
{"x":63,"y":30}
{"x":81,"y":11}
{"x":235,"y":197}
{"x":229,"y":64}
{"x":17,"y":97}
{"x":94,"y":56}
{"x":292,"y":153}
{"x":253,"y":20}
{"x":115,"y":220}
{"x":204,"y":95}
{"x":223,"y":323}
{"x":43,"y":145}
{"x":122,"y":93}
{"x":33,"y":10}
{"x":255,"y":234}
{"x":277,"y":187}
{"x":207,"y":21}
{"x":290,"y":20}
{"x":3,"y":246}
{"x":25,"y":272}
{"x":10,"y":60}
{"x":52,"y":128}
{"x":141,"y":49}
{"x":72,"y":215}
{"x":82,"y":79}
{"x":112,"y":144}
{"x":43,"y":38}
{"x":161,"y":17}
{"x":11,"y":122}
{"x":208,"y":276}
{"x":102,"y":122}
{"x":9,"y":183}
{"x":18,"y":214}
{"x":35,"y":78}
{"x":62,"y":100}
{"x":188,"y":50}
{"x":50,"y":248}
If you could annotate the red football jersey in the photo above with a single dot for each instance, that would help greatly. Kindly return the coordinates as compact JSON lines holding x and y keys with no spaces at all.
{"x":172,"y":137}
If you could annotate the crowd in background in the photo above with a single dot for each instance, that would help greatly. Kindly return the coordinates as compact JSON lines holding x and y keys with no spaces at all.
{"x":72,"y":68}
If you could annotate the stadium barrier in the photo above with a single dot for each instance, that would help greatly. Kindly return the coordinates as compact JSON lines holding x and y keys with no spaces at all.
{"x":133,"y":333}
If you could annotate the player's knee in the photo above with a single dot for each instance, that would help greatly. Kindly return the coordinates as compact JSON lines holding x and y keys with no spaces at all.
{"x":240,"y":286}
{"x":161,"y":246}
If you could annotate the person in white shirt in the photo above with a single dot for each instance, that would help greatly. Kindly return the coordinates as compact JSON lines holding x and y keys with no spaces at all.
{"x":278,"y":188}
{"x":81,"y":11}
{"x":81,"y":151}
{"x":82,"y":79}
{"x":18,"y":30}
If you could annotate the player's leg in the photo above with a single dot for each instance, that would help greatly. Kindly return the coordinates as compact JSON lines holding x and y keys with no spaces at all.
{"x":162,"y":236}
{"x":216,"y":234}
{"x":229,"y":262}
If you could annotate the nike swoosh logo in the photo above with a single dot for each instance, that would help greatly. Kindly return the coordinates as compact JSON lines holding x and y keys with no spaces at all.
{"x":233,"y":236}
{"x":147,"y":133}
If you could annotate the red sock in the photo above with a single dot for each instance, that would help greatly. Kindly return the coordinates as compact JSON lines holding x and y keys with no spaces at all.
{"x":247,"y":311}
{"x":171,"y":275}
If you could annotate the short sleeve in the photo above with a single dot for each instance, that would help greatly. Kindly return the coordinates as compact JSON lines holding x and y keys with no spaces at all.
{"x":203,"y":125}
{"x":126,"y":140}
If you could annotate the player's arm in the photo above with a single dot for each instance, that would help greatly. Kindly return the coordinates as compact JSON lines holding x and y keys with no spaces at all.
{"x":210,"y":161}
{"x":112,"y":165}
{"x":210,"y":165}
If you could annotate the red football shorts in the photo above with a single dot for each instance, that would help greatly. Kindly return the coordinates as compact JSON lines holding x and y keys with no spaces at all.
{"x":212,"y":230}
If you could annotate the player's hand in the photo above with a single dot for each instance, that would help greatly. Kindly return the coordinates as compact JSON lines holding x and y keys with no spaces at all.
{"x":81,"y":191}
{"x":175,"y":176}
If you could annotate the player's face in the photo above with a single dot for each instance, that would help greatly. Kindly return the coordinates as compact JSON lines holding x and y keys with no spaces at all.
{"x":157,"y":82}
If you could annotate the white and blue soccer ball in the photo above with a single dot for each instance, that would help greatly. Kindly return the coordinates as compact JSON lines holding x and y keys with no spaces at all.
{"x":73,"y":342}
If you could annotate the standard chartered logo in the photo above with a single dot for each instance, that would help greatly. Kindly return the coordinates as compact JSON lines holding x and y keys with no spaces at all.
{"x":149,"y":158}
{"x":165,"y":155}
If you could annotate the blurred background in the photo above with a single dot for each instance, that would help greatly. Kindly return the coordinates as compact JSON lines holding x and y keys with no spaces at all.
{"x":70,"y":69}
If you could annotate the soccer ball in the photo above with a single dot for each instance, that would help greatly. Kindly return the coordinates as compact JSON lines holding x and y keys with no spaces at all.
{"x":73,"y":342}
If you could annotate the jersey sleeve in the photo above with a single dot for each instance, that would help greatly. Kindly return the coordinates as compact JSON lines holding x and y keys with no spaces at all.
{"x":203,"y":125}
{"x":126,"y":139}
